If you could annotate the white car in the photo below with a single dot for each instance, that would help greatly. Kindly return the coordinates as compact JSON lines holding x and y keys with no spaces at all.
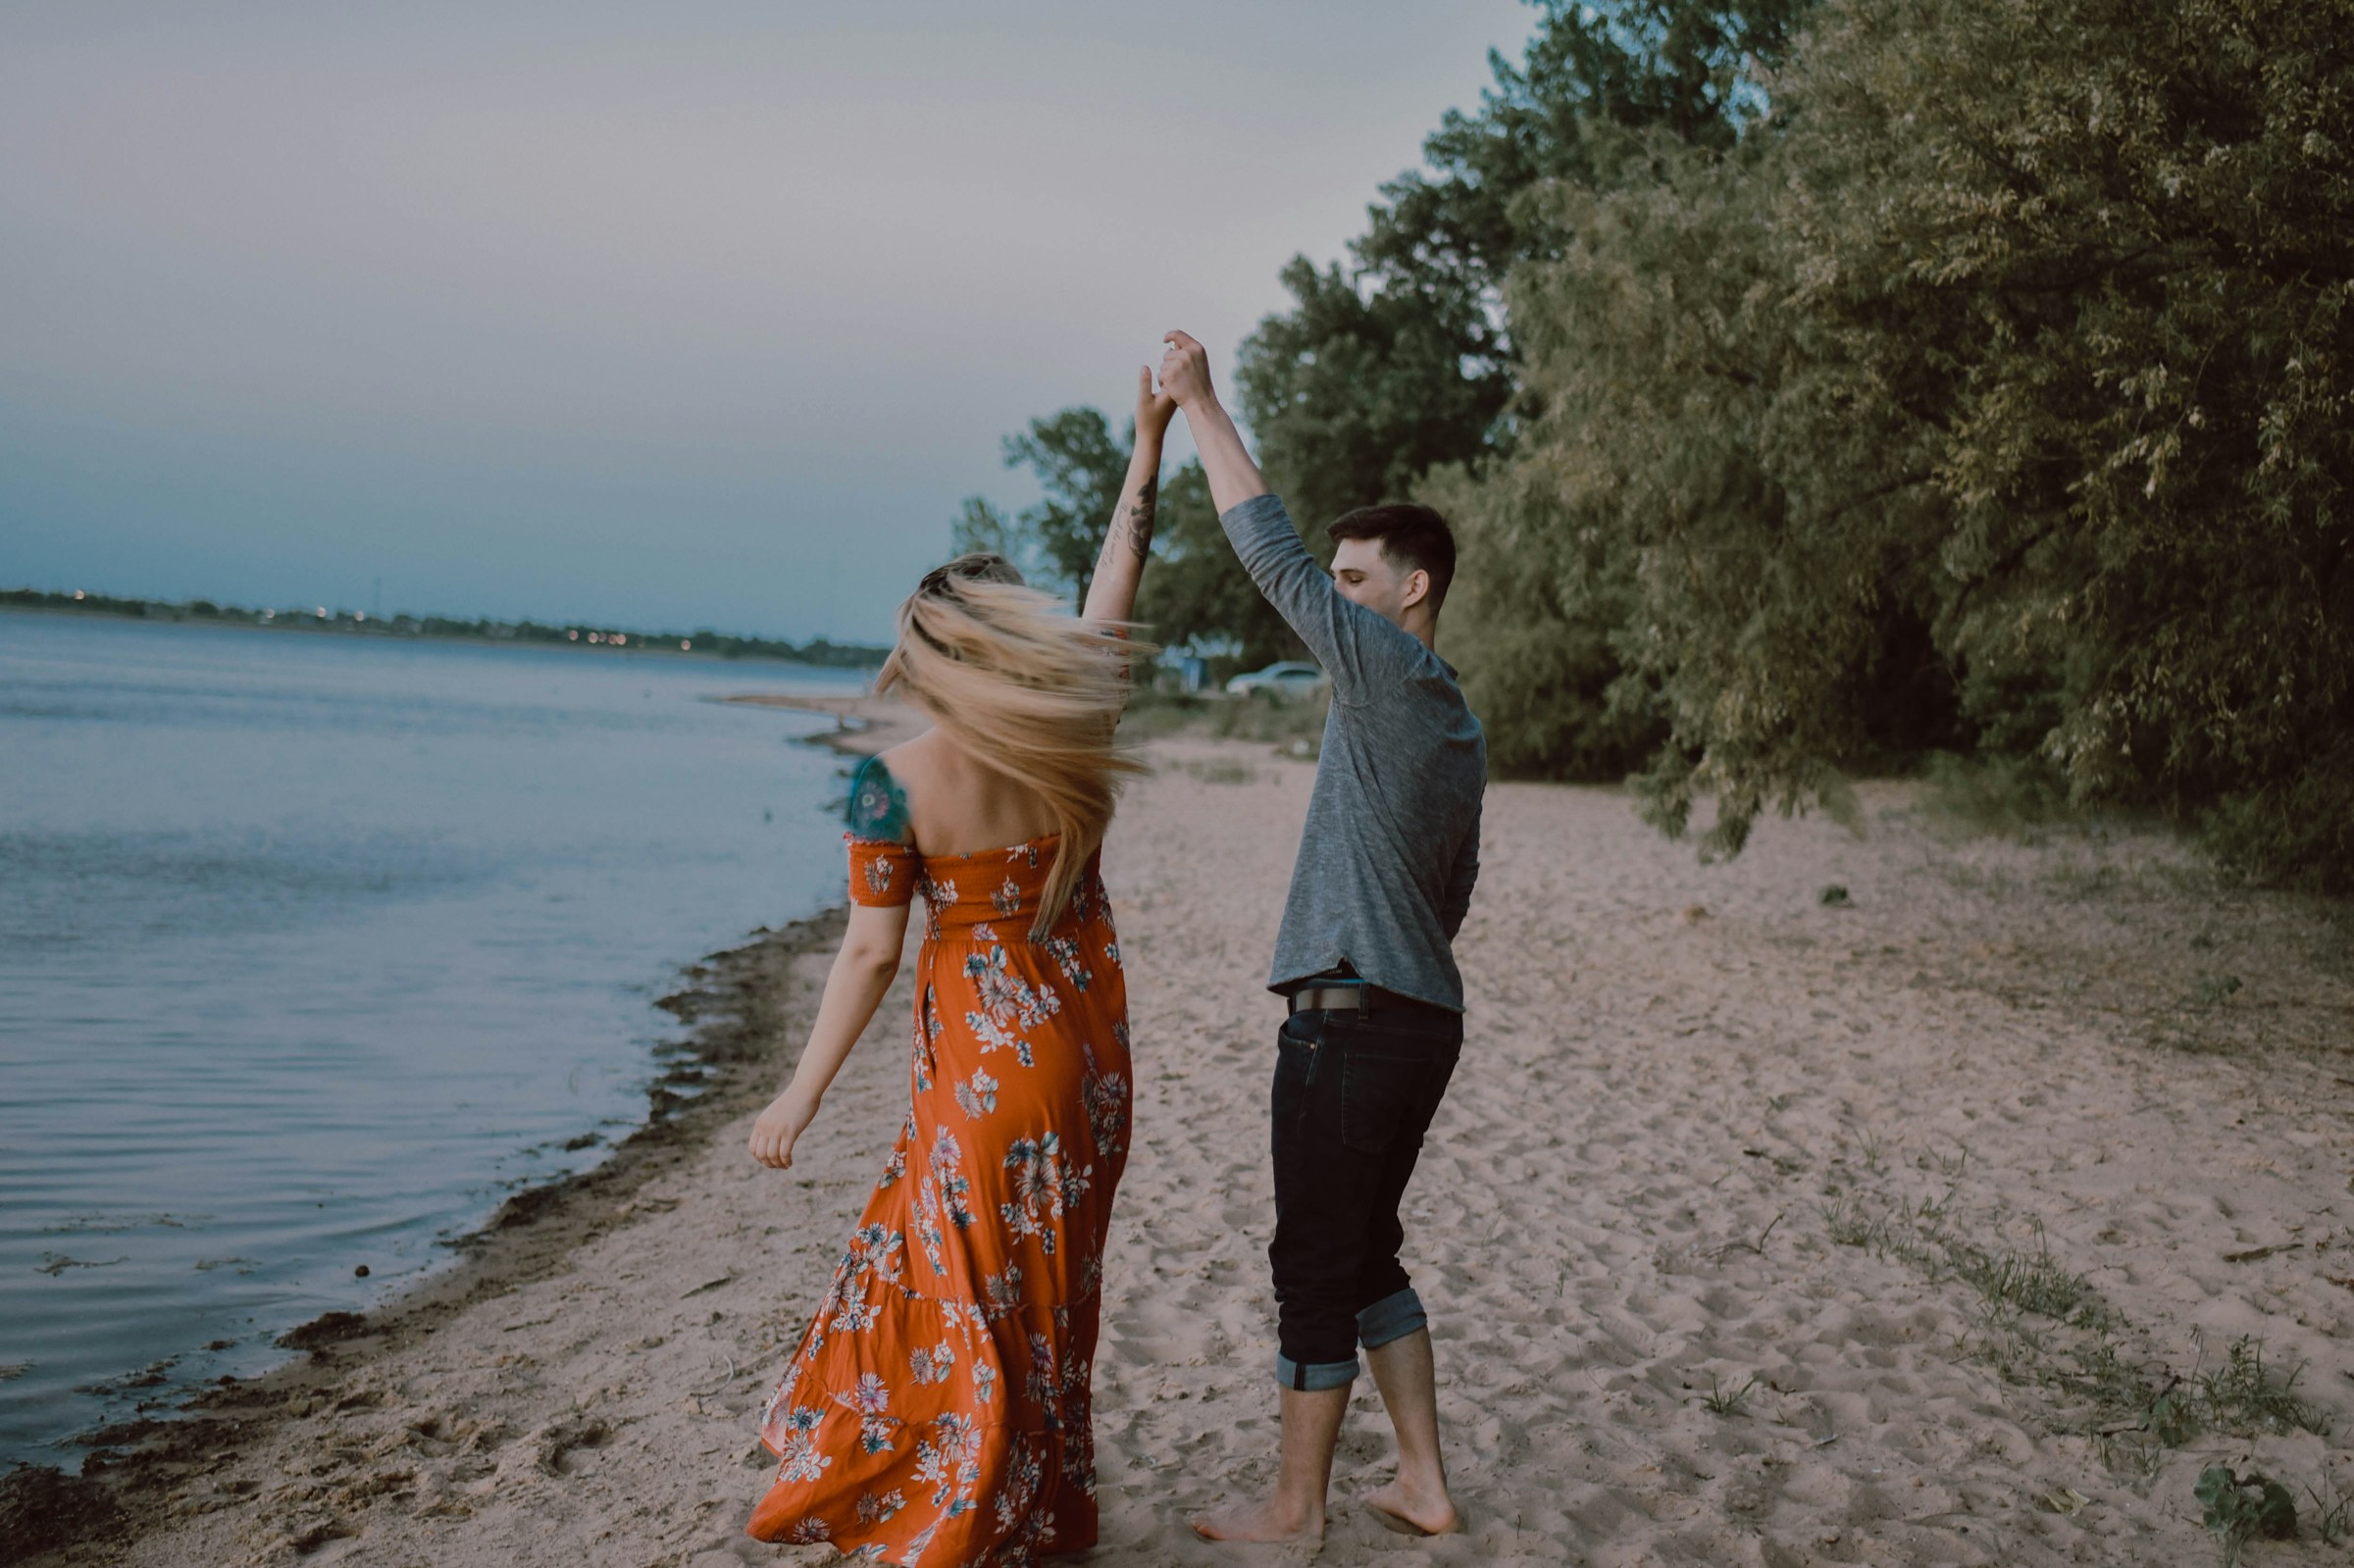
{"x":1291,"y":678}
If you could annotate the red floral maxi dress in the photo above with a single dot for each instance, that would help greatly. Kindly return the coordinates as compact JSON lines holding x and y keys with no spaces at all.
{"x":938,"y":1409}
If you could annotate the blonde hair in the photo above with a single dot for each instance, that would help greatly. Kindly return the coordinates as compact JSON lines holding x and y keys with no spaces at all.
{"x":1027,"y":690}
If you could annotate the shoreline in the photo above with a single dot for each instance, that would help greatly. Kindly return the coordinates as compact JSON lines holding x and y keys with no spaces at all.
{"x":863,"y":725}
{"x":739,"y":1014}
{"x":736,"y":1006}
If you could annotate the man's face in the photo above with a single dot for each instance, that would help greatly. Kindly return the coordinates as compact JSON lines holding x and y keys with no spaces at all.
{"x":1367,"y":577}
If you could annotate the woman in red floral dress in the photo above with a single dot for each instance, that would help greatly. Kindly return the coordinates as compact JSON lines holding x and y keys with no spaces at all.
{"x":936,"y":1411}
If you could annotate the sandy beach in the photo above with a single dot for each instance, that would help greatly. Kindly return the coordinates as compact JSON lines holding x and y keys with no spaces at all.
{"x":1855,"y":1201}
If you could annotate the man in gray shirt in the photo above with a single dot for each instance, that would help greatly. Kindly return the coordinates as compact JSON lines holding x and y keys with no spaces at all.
{"x":1365,"y":957}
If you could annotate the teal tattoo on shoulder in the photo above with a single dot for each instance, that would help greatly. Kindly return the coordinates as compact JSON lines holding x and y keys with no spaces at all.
{"x":878,"y":807}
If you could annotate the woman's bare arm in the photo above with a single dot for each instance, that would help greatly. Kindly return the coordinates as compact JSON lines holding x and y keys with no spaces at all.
{"x":1111,"y":592}
{"x":863,"y":970}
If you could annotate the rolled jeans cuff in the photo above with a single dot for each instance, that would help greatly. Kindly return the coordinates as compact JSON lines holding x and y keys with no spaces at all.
{"x":1313,"y":1377}
{"x":1393,"y":1317}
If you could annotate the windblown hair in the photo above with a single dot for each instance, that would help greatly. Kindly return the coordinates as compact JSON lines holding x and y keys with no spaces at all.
{"x":1029,"y":691}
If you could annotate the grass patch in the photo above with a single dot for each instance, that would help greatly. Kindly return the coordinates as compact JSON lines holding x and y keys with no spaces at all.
{"x":1297,"y":726}
{"x":2041,"y":1325}
{"x":2334,"y":1515}
{"x":1993,"y":797}
{"x":1723,"y":1401}
{"x":2212,"y":990}
{"x":2006,"y":1279}
{"x":1219,"y":771}
{"x":2244,"y":1394}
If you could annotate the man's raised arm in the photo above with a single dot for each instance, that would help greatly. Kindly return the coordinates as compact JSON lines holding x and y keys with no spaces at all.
{"x":1357,"y":648}
{"x":1185,"y":376}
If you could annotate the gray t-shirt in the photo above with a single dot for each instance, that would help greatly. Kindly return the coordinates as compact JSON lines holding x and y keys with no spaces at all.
{"x":1392,"y":842}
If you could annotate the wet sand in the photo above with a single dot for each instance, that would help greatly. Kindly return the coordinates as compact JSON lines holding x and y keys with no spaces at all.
{"x":1726,"y":1226}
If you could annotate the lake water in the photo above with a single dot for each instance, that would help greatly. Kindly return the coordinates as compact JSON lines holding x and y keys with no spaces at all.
{"x":313,"y":947}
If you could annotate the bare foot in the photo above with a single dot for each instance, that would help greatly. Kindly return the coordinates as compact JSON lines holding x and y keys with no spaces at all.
{"x":1258,"y":1521}
{"x":1413,"y":1511}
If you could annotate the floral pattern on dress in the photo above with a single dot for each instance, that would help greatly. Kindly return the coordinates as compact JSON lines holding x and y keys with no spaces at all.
{"x":1068,"y":958}
{"x":977,"y":1096}
{"x":938,"y":1410}
{"x":1011,"y":1006}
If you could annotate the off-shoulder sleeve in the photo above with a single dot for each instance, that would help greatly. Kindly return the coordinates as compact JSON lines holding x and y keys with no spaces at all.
{"x":882,"y":872}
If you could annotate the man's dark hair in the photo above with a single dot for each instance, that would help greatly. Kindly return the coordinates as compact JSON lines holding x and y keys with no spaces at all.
{"x":1414,"y":537}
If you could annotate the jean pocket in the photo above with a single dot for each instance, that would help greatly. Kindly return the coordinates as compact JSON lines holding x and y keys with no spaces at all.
{"x":1295,"y":1066}
{"x":1383,"y":1098}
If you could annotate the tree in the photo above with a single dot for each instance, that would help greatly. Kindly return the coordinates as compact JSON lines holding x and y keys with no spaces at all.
{"x":1401,"y":364}
{"x":980,"y":527}
{"x":1079,"y":467}
{"x":2104,"y":253}
{"x":1406,"y":361}
{"x":1193,"y":594}
{"x":1402,"y":375}
{"x":1998,"y":399}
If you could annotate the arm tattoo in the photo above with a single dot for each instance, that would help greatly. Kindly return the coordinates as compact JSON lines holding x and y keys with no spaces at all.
{"x":878,"y":806}
{"x":1140,"y":516}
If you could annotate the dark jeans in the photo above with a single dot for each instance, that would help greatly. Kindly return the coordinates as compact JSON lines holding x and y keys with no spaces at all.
{"x":1353,"y":1096}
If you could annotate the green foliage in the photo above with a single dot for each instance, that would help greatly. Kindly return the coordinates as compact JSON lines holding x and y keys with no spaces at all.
{"x":982,"y":528}
{"x":1079,"y":465}
{"x":2242,"y":1508}
{"x":2121,"y":244}
{"x":1535,"y":621}
{"x":1195,"y":593}
{"x":1816,"y":387}
{"x":2042,"y":1325}
{"x":1402,"y":364}
{"x":1354,"y":393}
{"x":2245,"y":1395}
{"x":1404,"y":361}
{"x":2334,"y":1515}
{"x":1992,"y":396}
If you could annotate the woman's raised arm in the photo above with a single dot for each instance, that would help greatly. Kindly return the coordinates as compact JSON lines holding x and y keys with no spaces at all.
{"x":1111,"y":592}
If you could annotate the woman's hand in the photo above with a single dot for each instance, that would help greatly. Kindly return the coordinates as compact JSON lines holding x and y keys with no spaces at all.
{"x":779,"y":1126}
{"x":1154,"y":409}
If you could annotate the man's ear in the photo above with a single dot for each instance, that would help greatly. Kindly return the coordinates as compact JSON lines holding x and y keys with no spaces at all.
{"x":1417,"y":588}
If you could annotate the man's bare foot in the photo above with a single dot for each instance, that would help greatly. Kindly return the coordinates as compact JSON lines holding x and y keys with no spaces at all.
{"x":1258,"y":1521}
{"x":1413,"y":1511}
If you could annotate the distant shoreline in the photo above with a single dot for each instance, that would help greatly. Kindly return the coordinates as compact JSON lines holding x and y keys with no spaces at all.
{"x":817,"y":653}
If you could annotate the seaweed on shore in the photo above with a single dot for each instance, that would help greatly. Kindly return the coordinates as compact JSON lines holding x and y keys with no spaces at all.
{"x":42,"y":1508}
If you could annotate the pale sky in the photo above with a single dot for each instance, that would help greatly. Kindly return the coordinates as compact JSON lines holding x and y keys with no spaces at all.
{"x":684,"y":315}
